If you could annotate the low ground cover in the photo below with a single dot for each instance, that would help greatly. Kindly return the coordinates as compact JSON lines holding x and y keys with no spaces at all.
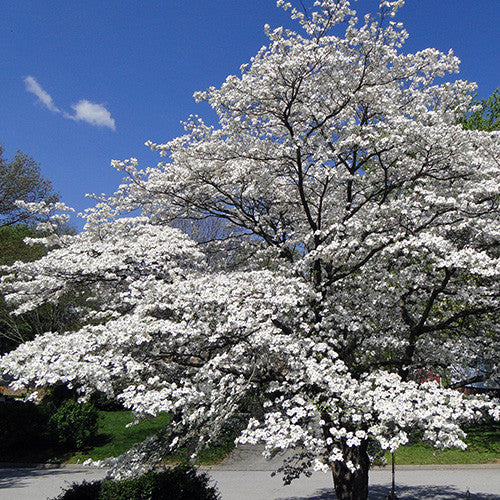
{"x":182,"y":483}
{"x":483,"y":447}
{"x":115,"y":438}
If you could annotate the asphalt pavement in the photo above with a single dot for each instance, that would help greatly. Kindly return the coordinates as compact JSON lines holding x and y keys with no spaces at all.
{"x":245,"y":475}
{"x":41,"y":483}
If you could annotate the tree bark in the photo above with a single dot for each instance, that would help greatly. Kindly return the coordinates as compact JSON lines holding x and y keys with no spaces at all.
{"x":351,"y":485}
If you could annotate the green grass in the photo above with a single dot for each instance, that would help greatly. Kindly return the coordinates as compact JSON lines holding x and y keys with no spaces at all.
{"x":208,"y":456}
{"x":483,"y":447}
{"x":215,"y":454}
{"x":115,"y":438}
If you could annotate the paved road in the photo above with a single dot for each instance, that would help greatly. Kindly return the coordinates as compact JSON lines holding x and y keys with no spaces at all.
{"x":447,"y":484}
{"x":41,"y":484}
{"x":245,"y":475}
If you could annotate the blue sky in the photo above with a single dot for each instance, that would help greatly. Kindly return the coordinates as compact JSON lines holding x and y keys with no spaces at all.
{"x":85,"y":82}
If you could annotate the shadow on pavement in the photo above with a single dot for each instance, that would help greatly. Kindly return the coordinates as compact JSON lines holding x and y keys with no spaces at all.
{"x":404,"y":493}
{"x":17,"y":478}
{"x":322,"y":494}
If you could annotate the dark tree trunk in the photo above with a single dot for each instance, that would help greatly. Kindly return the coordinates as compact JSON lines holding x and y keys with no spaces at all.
{"x":352,"y":485}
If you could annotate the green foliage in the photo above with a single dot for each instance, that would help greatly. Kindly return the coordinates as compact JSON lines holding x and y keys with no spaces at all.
{"x":75,"y":424}
{"x":179,"y":483}
{"x":215,"y":453}
{"x":13,"y":248}
{"x":114,"y":438}
{"x":485,"y":438}
{"x":24,"y":426}
{"x":487,"y":117}
{"x":15,"y":330}
{"x":82,"y":491}
{"x":20,"y":179}
{"x":483,"y":446}
{"x":57,"y":395}
{"x":104,"y":403}
{"x":128,"y":489}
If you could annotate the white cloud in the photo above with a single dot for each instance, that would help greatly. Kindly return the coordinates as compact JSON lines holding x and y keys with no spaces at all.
{"x":34,"y":87}
{"x":84,"y":110}
{"x":90,"y":112}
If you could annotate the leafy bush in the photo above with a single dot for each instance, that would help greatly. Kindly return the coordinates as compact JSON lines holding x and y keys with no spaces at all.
{"x":23,"y":426}
{"x":75,"y":424}
{"x":180,"y":483}
{"x":57,"y":396}
{"x":82,"y":491}
{"x":102,"y":402}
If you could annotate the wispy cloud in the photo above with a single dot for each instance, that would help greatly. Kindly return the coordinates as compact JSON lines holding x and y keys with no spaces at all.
{"x":84,"y":110}
{"x":90,"y":112}
{"x":34,"y":87}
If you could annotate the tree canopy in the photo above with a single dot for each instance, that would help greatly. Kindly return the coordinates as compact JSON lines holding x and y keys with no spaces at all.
{"x":21,"y":185}
{"x":19,"y":242}
{"x":360,"y":249}
{"x":20,"y":179}
{"x":485,"y":114}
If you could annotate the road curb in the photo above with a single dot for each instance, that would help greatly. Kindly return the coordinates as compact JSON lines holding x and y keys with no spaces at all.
{"x":440,"y":467}
{"x":19,"y":465}
{"x":235,"y":468}
{"x":263,"y":468}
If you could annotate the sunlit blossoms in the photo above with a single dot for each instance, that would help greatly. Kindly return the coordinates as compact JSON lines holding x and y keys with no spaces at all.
{"x":359,"y":253}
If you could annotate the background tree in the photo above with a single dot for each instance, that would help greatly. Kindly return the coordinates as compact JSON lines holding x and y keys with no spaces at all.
{"x":16,"y":329}
{"x":20,"y":179}
{"x":486,"y":114}
{"x":366,"y":221}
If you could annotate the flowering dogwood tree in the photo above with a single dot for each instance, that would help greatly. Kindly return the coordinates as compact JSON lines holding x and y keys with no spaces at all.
{"x":360,"y":247}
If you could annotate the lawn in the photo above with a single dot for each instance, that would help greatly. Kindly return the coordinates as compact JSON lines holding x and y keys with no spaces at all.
{"x":115,"y":438}
{"x":483,"y":447}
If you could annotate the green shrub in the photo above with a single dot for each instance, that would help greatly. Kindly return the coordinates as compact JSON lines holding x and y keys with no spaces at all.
{"x":181,"y":483}
{"x":128,"y":489}
{"x":58,"y":395}
{"x":82,"y":491}
{"x":23,"y":427}
{"x":75,"y":424}
{"x":104,"y":403}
